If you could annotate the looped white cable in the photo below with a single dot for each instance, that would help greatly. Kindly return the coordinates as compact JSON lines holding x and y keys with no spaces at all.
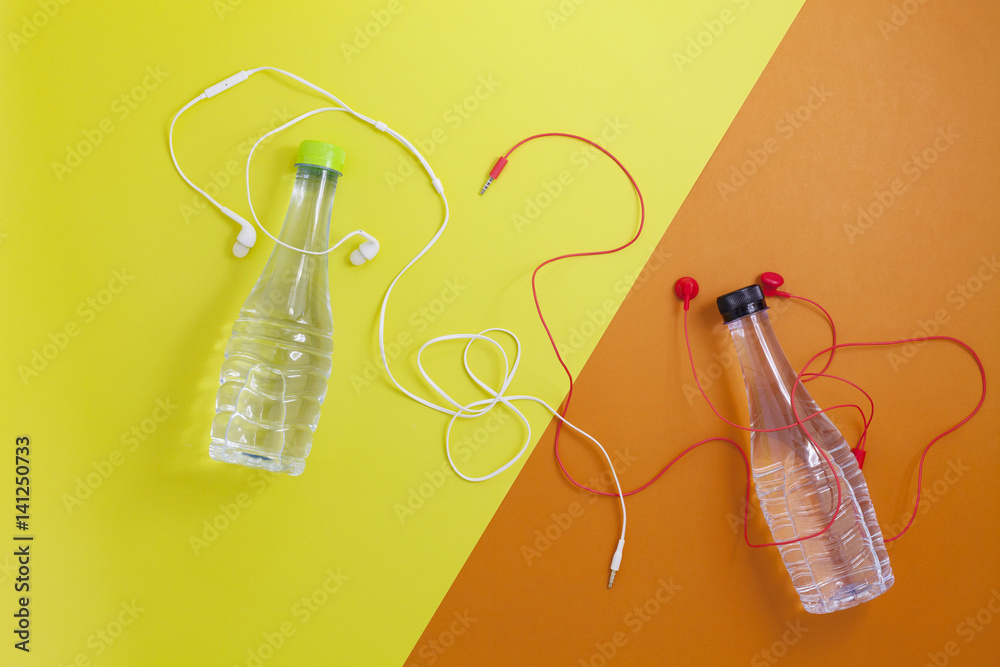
{"x":481,"y":407}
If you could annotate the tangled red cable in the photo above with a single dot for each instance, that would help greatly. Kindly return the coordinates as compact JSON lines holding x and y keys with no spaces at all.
{"x":803,"y":376}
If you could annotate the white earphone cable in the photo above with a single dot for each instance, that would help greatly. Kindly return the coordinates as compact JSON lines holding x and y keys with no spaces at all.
{"x":472,"y":410}
{"x":173,"y":157}
{"x":253,"y":212}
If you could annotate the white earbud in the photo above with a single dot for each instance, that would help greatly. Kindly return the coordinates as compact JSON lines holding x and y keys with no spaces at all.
{"x":365,"y":252}
{"x":247,"y":236}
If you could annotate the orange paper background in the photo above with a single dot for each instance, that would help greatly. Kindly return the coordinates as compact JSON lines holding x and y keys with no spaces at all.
{"x":874,"y":88}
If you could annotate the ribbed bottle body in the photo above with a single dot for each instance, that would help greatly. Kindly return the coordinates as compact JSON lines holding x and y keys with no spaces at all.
{"x":279,"y":357}
{"x":848,"y":564}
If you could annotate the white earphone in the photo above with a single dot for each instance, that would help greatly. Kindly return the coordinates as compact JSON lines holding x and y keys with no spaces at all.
{"x":247,"y":236}
{"x":366,"y":251}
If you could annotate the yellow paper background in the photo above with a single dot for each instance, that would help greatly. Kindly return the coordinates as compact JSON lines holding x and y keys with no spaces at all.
{"x":152,"y":335}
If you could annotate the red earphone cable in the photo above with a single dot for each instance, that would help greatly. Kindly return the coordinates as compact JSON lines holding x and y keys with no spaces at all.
{"x":494,"y":174}
{"x":802,"y":376}
{"x":927,"y":447}
{"x":833,"y":330}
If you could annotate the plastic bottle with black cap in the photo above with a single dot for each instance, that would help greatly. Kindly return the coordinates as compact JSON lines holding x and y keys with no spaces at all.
{"x":848,"y":564}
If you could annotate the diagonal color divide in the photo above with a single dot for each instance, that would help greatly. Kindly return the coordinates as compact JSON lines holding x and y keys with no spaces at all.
{"x":861,"y":167}
{"x":345,"y":564}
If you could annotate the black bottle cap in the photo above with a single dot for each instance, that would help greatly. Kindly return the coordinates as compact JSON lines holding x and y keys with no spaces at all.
{"x":741,"y":302}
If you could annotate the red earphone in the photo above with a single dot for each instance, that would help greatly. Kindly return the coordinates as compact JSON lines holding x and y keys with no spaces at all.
{"x":686,"y":288}
{"x":770,"y":282}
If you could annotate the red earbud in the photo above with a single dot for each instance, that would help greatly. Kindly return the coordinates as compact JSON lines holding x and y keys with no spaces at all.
{"x":770,"y":282}
{"x":686,"y":289}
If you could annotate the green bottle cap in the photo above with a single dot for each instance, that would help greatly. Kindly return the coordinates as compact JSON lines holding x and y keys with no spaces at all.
{"x":320,"y":154}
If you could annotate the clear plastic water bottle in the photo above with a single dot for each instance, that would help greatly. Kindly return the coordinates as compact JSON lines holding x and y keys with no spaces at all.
{"x":278,"y":359}
{"x":848,"y":564}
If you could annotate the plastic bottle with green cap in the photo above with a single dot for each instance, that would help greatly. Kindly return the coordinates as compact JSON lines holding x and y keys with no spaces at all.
{"x":279,"y":357}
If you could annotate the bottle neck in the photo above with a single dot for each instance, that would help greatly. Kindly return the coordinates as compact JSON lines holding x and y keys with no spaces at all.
{"x":763,"y":362}
{"x":307,"y":223}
